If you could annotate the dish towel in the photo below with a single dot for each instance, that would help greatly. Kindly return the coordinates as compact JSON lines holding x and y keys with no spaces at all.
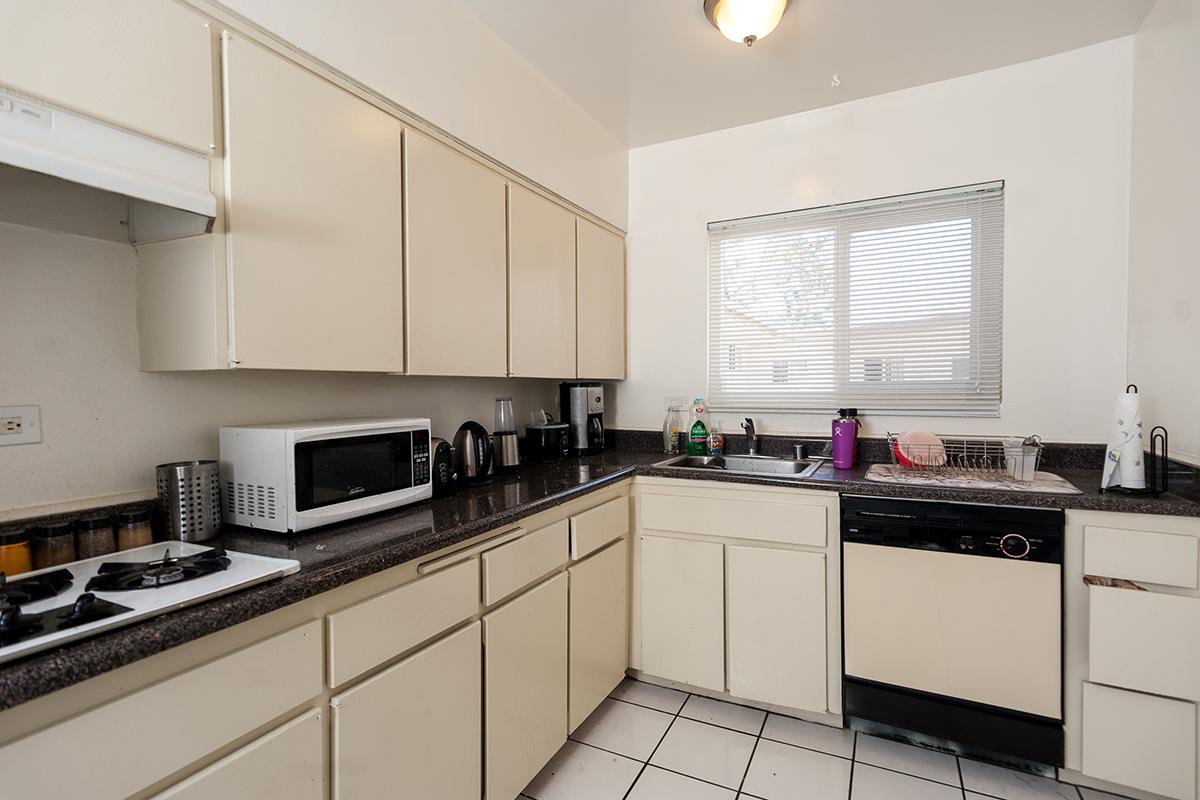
{"x":1124,"y":465}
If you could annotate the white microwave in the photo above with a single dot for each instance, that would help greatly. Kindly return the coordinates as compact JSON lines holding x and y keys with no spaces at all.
{"x":295,"y":476}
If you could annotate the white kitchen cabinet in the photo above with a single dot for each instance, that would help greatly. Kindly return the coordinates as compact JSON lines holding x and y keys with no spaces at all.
{"x":776,"y":626}
{"x":215,"y":703}
{"x":525,"y":687}
{"x":1145,"y":641}
{"x":455,"y":263}
{"x":313,"y":204}
{"x":541,"y":286}
{"x":683,"y":611}
{"x":599,"y":628}
{"x":145,"y":65}
{"x":287,"y":762}
{"x":1140,"y":740}
{"x":600,"y":322}
{"x":516,"y":564}
{"x":413,"y":730}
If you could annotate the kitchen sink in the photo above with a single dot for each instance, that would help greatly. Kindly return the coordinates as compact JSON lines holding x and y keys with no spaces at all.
{"x":747,"y":465}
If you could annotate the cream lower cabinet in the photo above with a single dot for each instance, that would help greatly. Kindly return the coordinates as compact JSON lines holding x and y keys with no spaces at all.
{"x":776,"y":620}
{"x":1133,"y":657}
{"x":313,"y":218}
{"x":413,"y":729}
{"x":737,"y":591}
{"x":599,"y":628}
{"x":683,"y":611}
{"x":525,"y":687}
{"x":287,"y":762}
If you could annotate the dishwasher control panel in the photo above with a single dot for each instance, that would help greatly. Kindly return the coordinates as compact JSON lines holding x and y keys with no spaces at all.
{"x":1006,"y":532}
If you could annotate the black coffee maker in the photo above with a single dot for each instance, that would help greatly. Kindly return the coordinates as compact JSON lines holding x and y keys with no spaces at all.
{"x":581,"y":406}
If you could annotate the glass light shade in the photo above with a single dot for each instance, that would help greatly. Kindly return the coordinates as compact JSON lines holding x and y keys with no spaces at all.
{"x":747,"y":20}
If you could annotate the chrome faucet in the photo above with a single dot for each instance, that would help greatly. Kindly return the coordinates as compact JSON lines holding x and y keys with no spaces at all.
{"x":751,"y":438}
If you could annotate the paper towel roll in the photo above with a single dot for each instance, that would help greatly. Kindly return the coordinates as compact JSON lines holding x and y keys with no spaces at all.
{"x":1124,"y":464}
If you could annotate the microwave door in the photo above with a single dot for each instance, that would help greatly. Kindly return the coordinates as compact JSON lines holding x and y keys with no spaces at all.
{"x":331,"y":471}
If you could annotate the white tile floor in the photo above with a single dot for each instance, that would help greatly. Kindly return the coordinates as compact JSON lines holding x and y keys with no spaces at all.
{"x":650,"y":743}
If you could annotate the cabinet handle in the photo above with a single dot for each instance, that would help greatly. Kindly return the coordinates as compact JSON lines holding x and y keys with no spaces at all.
{"x":459,"y":556}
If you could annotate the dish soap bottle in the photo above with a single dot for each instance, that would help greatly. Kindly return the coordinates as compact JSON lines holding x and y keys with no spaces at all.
{"x":672,"y":430}
{"x":698,"y":435}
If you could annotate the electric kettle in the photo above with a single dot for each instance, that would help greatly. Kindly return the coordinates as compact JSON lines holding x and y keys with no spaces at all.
{"x":473,"y":453}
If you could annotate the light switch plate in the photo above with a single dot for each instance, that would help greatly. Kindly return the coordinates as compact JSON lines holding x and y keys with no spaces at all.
{"x":20,"y":425}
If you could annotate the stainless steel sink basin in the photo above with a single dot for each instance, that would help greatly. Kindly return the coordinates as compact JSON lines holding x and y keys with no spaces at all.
{"x":748,"y":465}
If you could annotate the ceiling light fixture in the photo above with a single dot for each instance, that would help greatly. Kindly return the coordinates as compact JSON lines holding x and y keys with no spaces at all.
{"x":744,"y":20}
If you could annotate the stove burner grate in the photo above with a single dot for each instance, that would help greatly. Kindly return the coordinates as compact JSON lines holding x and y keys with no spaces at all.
{"x":116,"y":576}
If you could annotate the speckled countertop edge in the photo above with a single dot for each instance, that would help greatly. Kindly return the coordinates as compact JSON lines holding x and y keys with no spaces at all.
{"x":42,"y":673}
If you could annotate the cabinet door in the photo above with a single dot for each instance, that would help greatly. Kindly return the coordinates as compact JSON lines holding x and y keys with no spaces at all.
{"x":776,"y":619}
{"x":600,"y":278}
{"x":413,"y":730}
{"x":525,"y":686}
{"x":683,"y":611}
{"x":599,"y":649}
{"x":287,"y":762}
{"x":313,"y":202}
{"x":455,"y":264}
{"x":541,"y":287}
{"x":146,"y":65}
{"x":1140,"y":740}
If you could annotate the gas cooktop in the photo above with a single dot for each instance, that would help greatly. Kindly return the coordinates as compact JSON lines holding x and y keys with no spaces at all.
{"x":53,"y":606}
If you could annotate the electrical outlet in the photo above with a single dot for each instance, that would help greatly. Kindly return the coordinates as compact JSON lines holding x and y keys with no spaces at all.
{"x":20,"y":425}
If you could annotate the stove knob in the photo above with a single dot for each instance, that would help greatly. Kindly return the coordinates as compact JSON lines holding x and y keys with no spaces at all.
{"x":10,"y":618}
{"x":83,"y":604}
{"x":1014,"y":545}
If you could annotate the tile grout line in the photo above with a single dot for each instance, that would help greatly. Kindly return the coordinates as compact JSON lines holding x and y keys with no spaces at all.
{"x":853,"y":763}
{"x":961,"y":783}
{"x":713,"y":724}
{"x":663,"y":738}
{"x":753,"y":750}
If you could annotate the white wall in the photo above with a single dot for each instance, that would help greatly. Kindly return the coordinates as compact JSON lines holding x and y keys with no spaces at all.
{"x":1164,"y":272}
{"x":67,"y":312}
{"x":1057,"y":130}
{"x":443,"y":63}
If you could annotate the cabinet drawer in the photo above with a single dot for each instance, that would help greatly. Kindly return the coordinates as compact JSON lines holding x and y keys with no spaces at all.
{"x":1170,"y":559}
{"x":598,"y":526}
{"x":1145,"y":641}
{"x":758,"y":519}
{"x":367,"y":634}
{"x":287,"y":762}
{"x":1139,"y":740}
{"x":519,"y":563}
{"x":214,"y":704}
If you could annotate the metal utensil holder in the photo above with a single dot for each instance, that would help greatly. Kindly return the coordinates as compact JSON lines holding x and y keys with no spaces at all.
{"x":189,"y":500}
{"x":973,"y":456}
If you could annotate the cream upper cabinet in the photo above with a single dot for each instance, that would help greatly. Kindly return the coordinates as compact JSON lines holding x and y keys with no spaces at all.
{"x":314,"y":219}
{"x":525,"y":687}
{"x":455,"y":264}
{"x":541,"y":286}
{"x":599,"y":615}
{"x":600,"y":276}
{"x":146,"y":65}
{"x":413,"y":730}
{"x":683,"y":611}
{"x":775,"y":602}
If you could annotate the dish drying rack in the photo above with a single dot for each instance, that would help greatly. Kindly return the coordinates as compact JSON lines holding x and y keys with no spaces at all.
{"x":1002,"y":459}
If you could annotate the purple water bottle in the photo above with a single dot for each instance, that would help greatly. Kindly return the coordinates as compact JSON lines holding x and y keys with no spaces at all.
{"x":845,"y":438}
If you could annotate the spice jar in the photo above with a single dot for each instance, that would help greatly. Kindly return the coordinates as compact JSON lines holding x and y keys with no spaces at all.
{"x":53,"y":545}
{"x":133,"y":529}
{"x":94,"y":537}
{"x":15,"y":553}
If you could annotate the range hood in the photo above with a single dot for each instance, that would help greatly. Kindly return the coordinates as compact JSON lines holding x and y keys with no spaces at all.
{"x":38,"y":138}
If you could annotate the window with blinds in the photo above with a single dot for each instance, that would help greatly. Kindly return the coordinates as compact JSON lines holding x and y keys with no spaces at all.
{"x":889,"y":305}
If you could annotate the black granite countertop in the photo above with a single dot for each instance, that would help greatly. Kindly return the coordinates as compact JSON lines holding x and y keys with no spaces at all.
{"x":339,"y":554}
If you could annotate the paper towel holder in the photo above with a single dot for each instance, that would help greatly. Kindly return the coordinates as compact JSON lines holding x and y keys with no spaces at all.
{"x":1158,"y":463}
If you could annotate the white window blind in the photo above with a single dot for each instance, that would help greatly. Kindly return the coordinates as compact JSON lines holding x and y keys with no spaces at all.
{"x":889,"y":305}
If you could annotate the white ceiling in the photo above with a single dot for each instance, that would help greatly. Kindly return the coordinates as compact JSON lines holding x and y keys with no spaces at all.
{"x":654,"y":70}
